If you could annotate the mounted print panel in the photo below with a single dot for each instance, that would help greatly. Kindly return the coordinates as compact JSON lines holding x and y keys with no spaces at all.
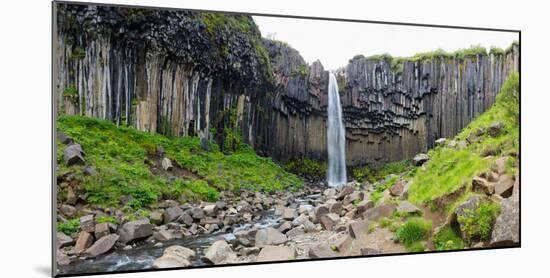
{"x":188,"y":138}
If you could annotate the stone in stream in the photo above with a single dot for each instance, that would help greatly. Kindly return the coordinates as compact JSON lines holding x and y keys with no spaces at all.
{"x":135,"y":230}
{"x":101,"y":230}
{"x":504,"y":186}
{"x":174,"y":256}
{"x":85,"y":239}
{"x":247,"y":237}
{"x":167,"y":164}
{"x":506,"y":229}
{"x":87,"y":223}
{"x":329,"y":220}
{"x":269,"y":236}
{"x":73,"y":155}
{"x":220,"y":253}
{"x":210,"y":210}
{"x":63,"y":240}
{"x":483,"y":186}
{"x":420,"y":159}
{"x":164,"y":235}
{"x":101,"y":246}
{"x":322,"y":250}
{"x":289,"y":214}
{"x":171,"y":214}
{"x":358,"y":229}
{"x":276,"y":253}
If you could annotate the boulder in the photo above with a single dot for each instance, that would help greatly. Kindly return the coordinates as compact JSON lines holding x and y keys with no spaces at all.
{"x":335,"y":207}
{"x":276,"y":253}
{"x":320,"y":211}
{"x":364,"y":206}
{"x":345,"y":191}
{"x":359,"y":229}
{"x":62,"y":259}
{"x":246,"y":238}
{"x":197,"y":213}
{"x":303,"y":220}
{"x":156,"y":217}
{"x":71,"y":196}
{"x":269,"y":236}
{"x":289,"y":214}
{"x":63,"y":138}
{"x":73,"y":155}
{"x":135,"y":230}
{"x":397,"y":189}
{"x":499,"y":166}
{"x":210,"y":210}
{"x":322,"y":250}
{"x":68,"y":210}
{"x":174,"y":256}
{"x":220,"y":253}
{"x":329,"y":220}
{"x":483,"y":186}
{"x":87,"y":223}
{"x":464,"y":209}
{"x":344,"y":243}
{"x":440,"y":141}
{"x":171,"y":214}
{"x":407,"y":207}
{"x":186,"y":219}
{"x":460,"y":145}
{"x":63,"y":240}
{"x":101,"y":246}
{"x":89,"y":171}
{"x":495,"y":129}
{"x":504,"y":186}
{"x":296,"y":231}
{"x":101,"y":230}
{"x":329,"y":192}
{"x":163,"y":235}
{"x":385,"y":210}
{"x":420,"y":159}
{"x":84,"y":240}
{"x":285,"y":226}
{"x":506,"y":229}
{"x":167,"y":164}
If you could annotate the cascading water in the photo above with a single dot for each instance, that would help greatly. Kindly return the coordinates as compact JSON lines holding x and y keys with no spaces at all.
{"x":336,"y":140}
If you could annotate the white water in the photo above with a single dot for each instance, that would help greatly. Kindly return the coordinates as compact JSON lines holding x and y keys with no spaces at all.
{"x":336,"y":140}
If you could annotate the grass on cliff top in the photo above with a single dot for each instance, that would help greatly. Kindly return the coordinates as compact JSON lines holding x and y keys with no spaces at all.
{"x":448,"y":168}
{"x":120,"y":155}
{"x":374,"y":174}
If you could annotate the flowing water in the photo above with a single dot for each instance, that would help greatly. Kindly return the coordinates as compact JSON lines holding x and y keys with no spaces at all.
{"x":336,"y":137}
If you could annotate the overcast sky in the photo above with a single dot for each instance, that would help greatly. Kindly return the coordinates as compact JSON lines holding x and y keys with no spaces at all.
{"x":335,"y":42}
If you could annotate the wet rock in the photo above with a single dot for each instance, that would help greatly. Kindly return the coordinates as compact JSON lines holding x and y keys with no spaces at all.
{"x":73,"y":155}
{"x":101,"y":246}
{"x":506,"y":229}
{"x":276,"y":253}
{"x":504,"y":186}
{"x":220,"y":253}
{"x":171,"y":214}
{"x":164,"y":235}
{"x":407,"y":207}
{"x":322,"y":250}
{"x":87,"y":223}
{"x":482,"y":185}
{"x":63,"y":240}
{"x":85,"y":240}
{"x":329,"y":220}
{"x":359,"y":229}
{"x":174,"y":256}
{"x":167,"y":164}
{"x":135,"y":230}
{"x":101,"y":230}
{"x":420,"y":159}
{"x":269,"y":236}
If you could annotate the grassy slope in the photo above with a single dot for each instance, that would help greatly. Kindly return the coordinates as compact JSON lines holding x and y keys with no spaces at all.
{"x":121,"y":155}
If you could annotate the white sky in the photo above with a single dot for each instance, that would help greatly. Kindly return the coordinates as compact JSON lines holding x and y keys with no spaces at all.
{"x":335,"y":42}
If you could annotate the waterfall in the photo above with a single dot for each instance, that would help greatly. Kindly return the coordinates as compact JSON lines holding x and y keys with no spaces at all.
{"x":336,"y":140}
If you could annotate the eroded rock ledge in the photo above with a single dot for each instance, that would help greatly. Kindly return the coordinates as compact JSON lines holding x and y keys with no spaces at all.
{"x":188,"y":73}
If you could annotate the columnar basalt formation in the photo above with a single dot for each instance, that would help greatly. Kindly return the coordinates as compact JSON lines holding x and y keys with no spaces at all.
{"x":188,"y":73}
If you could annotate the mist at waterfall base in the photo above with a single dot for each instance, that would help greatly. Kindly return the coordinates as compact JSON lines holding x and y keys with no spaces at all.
{"x":336,"y":173}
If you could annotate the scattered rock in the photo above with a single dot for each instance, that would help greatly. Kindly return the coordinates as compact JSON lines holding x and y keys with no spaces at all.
{"x":296,"y":231}
{"x":135,"y":230}
{"x":101,"y":230}
{"x":495,"y":129}
{"x":482,"y":185}
{"x":68,"y":210}
{"x":285,"y":226}
{"x":62,"y":258}
{"x":289,"y":214}
{"x":504,"y":186}
{"x":329,"y":220}
{"x":63,"y":138}
{"x":85,"y":240}
{"x":440,"y":141}
{"x":210,"y":210}
{"x":369,"y":251}
{"x":163,"y":235}
{"x":269,"y":236}
{"x":63,"y":240}
{"x":171,"y":214}
{"x":87,"y":223}
{"x":197,"y":213}
{"x":303,"y":220}
{"x":89,"y":171}
{"x":156,"y":217}
{"x":167,"y":164}
{"x":320,"y":211}
{"x":397,"y":189}
{"x":321,"y":251}
{"x":336,"y":207}
{"x":174,"y":256}
{"x":345,"y":191}
{"x":73,"y":155}
{"x":407,"y":207}
{"x":344,"y":243}
{"x":506,"y":228}
{"x":385,"y":210}
{"x":330,"y":192}
{"x":220,"y":253}
{"x":359,"y":229}
{"x":499,"y":166}
{"x":420,"y":159}
{"x":276,"y":253}
{"x":101,"y":246}
{"x":364,"y":206}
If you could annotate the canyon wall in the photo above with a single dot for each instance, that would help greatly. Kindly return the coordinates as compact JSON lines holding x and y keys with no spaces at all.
{"x":210,"y":75}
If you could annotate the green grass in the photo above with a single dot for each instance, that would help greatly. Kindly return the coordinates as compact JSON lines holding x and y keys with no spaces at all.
{"x":412,"y":232}
{"x":121,"y":155}
{"x":448,"y":239}
{"x":478,"y":223}
{"x":106,"y":219}
{"x":373,"y":174}
{"x":378,"y":192}
{"x":70,"y":227}
{"x":448,"y":169}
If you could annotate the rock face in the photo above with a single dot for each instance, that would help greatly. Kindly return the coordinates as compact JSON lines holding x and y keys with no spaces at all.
{"x":172,"y":79}
{"x":135,"y":230}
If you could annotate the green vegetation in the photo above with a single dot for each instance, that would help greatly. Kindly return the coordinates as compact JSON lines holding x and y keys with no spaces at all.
{"x":309,"y":168}
{"x":379,"y":189}
{"x":70,"y":227}
{"x":106,"y":219}
{"x":448,"y":239}
{"x":302,"y":70}
{"x":78,"y":53}
{"x":412,"y":232}
{"x":373,"y":174}
{"x":71,"y":93}
{"x":122,"y":157}
{"x":449,"y":169}
{"x":478,"y":223}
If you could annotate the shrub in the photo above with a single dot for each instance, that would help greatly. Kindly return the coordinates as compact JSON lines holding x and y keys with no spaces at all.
{"x":70,"y":227}
{"x":413,"y":231}
{"x":477,"y":224}
{"x":448,"y":239}
{"x":308,"y":168}
{"x":106,"y":219}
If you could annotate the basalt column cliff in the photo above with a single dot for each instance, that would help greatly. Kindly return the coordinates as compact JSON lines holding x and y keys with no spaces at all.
{"x":210,"y":75}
